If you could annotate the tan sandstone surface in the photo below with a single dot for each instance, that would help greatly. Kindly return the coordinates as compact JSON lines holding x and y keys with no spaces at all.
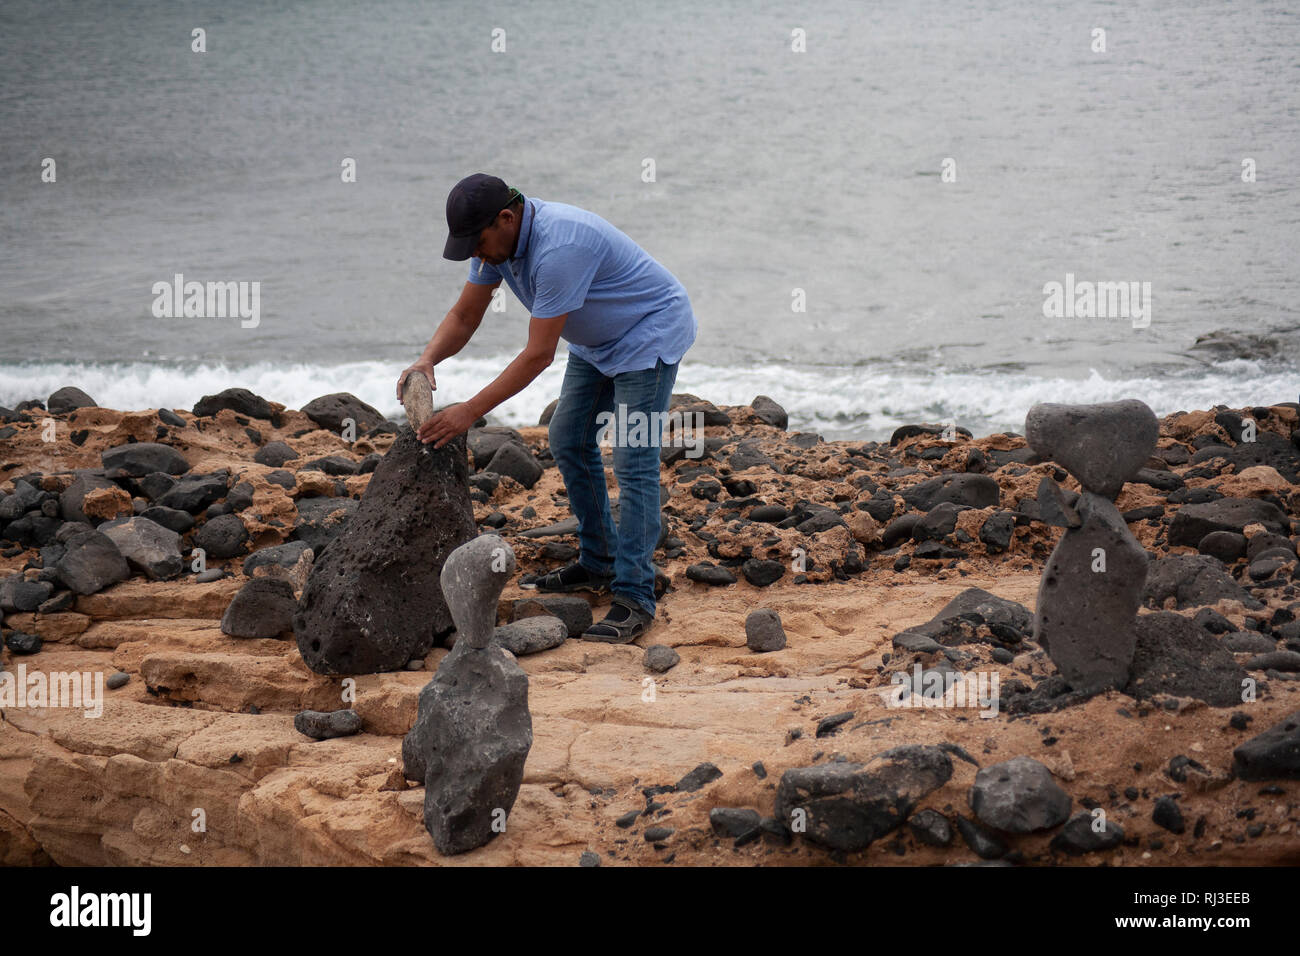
{"x":196,"y":760}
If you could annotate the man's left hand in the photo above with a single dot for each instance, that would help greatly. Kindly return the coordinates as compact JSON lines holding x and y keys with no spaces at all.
{"x":447,"y":424}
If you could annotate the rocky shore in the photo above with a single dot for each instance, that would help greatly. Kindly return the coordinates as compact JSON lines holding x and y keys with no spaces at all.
{"x":778,"y":713}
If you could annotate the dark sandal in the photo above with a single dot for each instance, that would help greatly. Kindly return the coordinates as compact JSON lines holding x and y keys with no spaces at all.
{"x":624,"y":623}
{"x":572,"y":577}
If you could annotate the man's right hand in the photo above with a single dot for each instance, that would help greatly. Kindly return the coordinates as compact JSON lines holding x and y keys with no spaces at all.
{"x":424,"y":367}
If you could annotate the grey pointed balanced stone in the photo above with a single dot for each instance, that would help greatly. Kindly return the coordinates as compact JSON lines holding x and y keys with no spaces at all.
{"x":473,"y":730}
{"x":374,"y":599}
{"x":1101,"y":445}
{"x":1085,"y":619}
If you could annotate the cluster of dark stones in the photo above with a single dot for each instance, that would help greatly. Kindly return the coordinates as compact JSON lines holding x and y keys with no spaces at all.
{"x":175,"y":510}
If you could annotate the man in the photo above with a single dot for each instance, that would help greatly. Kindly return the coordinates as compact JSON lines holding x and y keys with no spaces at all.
{"x":628,"y":323}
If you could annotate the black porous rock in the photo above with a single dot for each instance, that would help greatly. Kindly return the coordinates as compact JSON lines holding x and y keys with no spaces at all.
{"x":846,"y":806}
{"x":274,"y":454}
{"x":733,"y":821}
{"x":996,"y":531}
{"x":987,"y":846}
{"x":763,"y":631}
{"x":281,"y":555}
{"x":24,"y":498}
{"x":336,"y":465}
{"x":761,"y":573}
{"x":473,"y":730}
{"x":1212,"y":621}
{"x":1018,"y":796}
{"x":155,"y":484}
{"x":91,"y":562}
{"x":238,"y":400}
{"x":331,"y":411}
{"x":141,"y":458}
{"x":1175,"y":657}
{"x":1102,"y":445}
{"x":973,"y":606}
{"x":660,"y":658}
{"x":1192,"y":580}
{"x":1193,"y":522}
{"x":702,"y":775}
{"x":22,"y":643}
{"x":1088,"y":598}
{"x":194,"y":493}
{"x":147,"y":546}
{"x":1227,"y":546}
{"x":222,"y":537}
{"x":374,"y":600}
{"x":25,"y":595}
{"x":706,"y":573}
{"x":930,"y":827}
{"x":264,"y":607}
{"x":515,"y":461}
{"x":487,"y":441}
{"x":1272,"y":755}
{"x":321,"y":520}
{"x":770,"y":413}
{"x":1166,"y":813}
{"x":325,"y":725}
{"x":68,"y":399}
{"x":1085,"y":833}
{"x":748,"y":455}
{"x":972,"y":490}
{"x":936,"y":524}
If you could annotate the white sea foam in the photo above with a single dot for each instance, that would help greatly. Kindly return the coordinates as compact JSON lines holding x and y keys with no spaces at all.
{"x":860,"y":402}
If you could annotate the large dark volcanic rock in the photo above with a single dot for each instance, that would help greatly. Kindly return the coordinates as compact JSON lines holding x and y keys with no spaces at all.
{"x":846,"y":806}
{"x":373,"y":600}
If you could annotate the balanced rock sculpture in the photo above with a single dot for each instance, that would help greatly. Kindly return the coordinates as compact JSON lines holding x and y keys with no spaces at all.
{"x":373,"y":599}
{"x":1091,"y":588}
{"x":472,"y":731}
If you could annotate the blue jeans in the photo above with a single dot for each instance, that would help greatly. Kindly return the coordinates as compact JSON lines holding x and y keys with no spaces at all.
{"x":628,"y":551}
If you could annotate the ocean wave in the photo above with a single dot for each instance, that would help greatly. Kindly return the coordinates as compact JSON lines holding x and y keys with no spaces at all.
{"x":844,"y":402}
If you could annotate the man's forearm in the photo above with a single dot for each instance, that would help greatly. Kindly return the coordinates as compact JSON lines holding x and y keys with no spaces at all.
{"x":516,"y":377}
{"x":452,"y":335}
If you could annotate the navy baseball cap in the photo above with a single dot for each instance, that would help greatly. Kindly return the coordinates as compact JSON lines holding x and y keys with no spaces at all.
{"x":472,"y":206}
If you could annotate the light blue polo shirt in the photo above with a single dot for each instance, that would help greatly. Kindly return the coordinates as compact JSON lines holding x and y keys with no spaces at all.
{"x":626,"y":311}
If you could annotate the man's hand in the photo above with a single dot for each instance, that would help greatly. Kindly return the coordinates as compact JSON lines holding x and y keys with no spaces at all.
{"x":425,"y":367}
{"x":447,"y":424}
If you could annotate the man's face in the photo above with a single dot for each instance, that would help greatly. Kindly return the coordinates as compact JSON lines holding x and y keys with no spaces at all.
{"x":497,"y":241}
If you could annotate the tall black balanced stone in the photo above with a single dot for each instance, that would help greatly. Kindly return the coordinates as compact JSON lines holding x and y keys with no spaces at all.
{"x":373,"y":600}
{"x":1091,"y":588}
{"x":473,"y":731}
